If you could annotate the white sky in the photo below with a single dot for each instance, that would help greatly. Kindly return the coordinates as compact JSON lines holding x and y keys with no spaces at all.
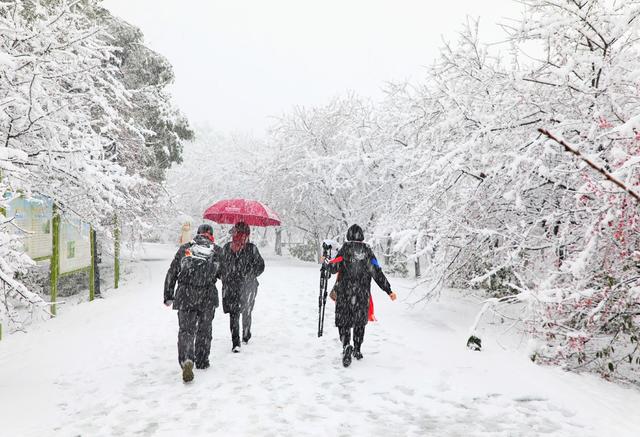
{"x":240,"y":62}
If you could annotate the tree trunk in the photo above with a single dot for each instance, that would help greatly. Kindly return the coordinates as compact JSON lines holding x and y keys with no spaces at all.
{"x":387,"y":254}
{"x":96,"y":264}
{"x":278,"y":241}
{"x":417,"y":261}
{"x":316,"y":237}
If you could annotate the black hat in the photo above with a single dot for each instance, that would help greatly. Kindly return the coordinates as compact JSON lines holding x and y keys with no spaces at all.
{"x":205,"y":229}
{"x":355,"y":233}
{"x":240,"y":228}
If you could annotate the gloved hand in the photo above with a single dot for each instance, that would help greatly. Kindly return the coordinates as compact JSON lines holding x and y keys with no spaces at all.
{"x":333,"y":295}
{"x":393,"y":295}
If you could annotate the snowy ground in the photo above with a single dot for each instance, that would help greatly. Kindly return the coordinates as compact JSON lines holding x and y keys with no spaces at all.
{"x":108,"y":368}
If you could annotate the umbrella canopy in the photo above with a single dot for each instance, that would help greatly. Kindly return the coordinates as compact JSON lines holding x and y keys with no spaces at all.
{"x":232,"y":211}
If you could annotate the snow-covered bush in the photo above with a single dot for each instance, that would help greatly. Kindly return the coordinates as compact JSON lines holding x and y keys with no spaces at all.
{"x":307,"y":251}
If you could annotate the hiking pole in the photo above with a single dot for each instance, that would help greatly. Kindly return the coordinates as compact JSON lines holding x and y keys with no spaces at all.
{"x":324,"y":281}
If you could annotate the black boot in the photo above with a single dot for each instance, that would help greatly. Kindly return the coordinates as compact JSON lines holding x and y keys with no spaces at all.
{"x":346,"y":355}
{"x":203,"y":365}
{"x":358,"y":338}
{"x":246,"y":327}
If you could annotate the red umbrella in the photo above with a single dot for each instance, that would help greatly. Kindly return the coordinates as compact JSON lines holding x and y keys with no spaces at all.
{"x":232,"y":211}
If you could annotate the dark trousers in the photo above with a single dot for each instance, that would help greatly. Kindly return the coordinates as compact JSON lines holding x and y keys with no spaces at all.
{"x":194,"y":336}
{"x":358,"y":336}
{"x":234,"y":324}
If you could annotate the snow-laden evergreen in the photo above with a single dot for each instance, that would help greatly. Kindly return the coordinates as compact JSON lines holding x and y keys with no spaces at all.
{"x":70,"y":125}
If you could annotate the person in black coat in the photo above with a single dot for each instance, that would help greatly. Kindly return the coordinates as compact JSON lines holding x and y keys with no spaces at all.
{"x":355,"y":265}
{"x":195,"y":269}
{"x":240,"y":265}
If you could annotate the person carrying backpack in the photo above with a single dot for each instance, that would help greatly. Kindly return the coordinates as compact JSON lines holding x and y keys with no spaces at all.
{"x":194,"y":268}
{"x":240,"y":265}
{"x":356,"y":265}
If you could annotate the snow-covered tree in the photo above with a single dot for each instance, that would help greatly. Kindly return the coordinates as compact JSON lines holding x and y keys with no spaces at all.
{"x":458,"y":169}
{"x":326,"y":162}
{"x":67,"y":112}
{"x":214,"y":167}
{"x":145,"y":74}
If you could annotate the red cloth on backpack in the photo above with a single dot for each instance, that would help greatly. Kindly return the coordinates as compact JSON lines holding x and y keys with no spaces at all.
{"x":372,"y":316}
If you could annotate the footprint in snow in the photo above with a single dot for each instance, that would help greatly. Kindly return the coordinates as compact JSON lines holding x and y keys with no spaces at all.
{"x":530,"y":399}
{"x":406,"y":390}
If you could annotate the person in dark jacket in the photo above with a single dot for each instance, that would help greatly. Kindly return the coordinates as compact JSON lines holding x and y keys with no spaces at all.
{"x":240,"y":265}
{"x":194,"y":268}
{"x":356,"y":265}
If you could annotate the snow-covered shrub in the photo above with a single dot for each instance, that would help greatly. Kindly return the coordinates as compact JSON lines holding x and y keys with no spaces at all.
{"x":306,"y":251}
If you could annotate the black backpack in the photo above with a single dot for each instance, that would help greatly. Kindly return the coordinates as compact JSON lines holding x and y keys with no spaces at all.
{"x":198,"y":266}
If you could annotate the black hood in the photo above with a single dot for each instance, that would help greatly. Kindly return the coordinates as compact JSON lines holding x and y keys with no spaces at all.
{"x":205,"y":229}
{"x":355,"y":233}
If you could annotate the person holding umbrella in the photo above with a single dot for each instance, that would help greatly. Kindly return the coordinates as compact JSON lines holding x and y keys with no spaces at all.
{"x":240,"y":265}
{"x":241,"y":262}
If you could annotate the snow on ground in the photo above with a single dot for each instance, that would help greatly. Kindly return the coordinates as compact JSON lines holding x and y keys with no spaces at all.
{"x":109,"y":368}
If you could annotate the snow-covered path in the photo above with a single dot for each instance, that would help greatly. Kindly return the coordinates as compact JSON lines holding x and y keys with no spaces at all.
{"x":109,"y":368}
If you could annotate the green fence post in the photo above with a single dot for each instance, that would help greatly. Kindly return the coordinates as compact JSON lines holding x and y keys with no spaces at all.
{"x":92,"y":269}
{"x":55,"y":257}
{"x":116,"y":251}
{"x":3,"y":211}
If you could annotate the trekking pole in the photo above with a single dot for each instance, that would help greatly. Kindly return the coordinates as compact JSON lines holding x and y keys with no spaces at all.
{"x":324,"y":281}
